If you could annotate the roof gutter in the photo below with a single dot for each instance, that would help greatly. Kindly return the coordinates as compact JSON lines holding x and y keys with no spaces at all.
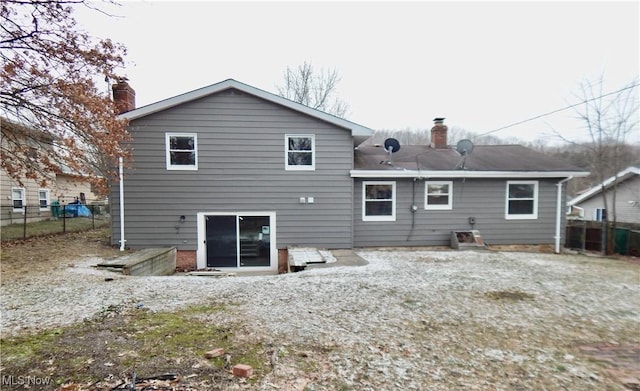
{"x":403,"y":173}
{"x":598,"y":188}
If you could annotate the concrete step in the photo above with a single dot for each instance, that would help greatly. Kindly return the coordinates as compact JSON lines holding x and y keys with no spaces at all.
{"x":344,"y":257}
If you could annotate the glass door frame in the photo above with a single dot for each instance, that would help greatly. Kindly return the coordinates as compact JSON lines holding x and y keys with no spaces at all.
{"x":201,"y":254}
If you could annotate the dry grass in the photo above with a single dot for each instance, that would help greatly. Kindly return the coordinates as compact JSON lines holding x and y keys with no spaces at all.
{"x":46,"y":253}
{"x":438,"y":320}
{"x":51,"y":227}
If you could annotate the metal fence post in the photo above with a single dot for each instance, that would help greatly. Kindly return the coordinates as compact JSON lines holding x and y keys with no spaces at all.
{"x":24,"y":224}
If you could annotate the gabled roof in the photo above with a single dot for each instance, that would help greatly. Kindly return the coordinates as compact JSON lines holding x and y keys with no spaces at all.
{"x":622,"y":176}
{"x":486,"y":161}
{"x":357,"y":131}
{"x":18,"y":130}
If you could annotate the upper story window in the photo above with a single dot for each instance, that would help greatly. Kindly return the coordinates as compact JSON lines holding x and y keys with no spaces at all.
{"x":522,"y":200}
{"x":18,"y":199}
{"x":300,"y":153}
{"x":600,"y":214}
{"x":438,"y":195}
{"x":182,"y":151}
{"x":379,"y":201}
{"x":43,"y":199}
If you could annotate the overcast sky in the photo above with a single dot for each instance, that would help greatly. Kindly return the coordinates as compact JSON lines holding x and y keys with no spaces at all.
{"x":482,"y":65}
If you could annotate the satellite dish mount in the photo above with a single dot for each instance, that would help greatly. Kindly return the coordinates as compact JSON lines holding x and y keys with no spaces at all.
{"x":391,"y":146}
{"x":464,"y":148}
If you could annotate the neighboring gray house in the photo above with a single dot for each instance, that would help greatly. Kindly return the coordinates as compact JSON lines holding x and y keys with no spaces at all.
{"x":589,"y":205}
{"x":232,"y":176}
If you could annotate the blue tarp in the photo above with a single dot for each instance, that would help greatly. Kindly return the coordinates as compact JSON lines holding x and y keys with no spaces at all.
{"x":78,"y":210}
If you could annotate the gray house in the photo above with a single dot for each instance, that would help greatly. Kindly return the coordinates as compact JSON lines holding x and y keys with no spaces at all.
{"x":232,"y":176}
{"x":589,"y":205}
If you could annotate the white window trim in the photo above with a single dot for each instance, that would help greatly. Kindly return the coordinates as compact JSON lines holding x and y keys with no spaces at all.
{"x":597,"y":214}
{"x":448,"y":206}
{"x":180,"y":167}
{"x":201,"y":254}
{"x":47,"y":198}
{"x":289,"y":167}
{"x":24,"y":199}
{"x":364,"y":201}
{"x":532,"y":216}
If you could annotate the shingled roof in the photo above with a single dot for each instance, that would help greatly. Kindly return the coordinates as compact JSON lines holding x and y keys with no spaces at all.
{"x":484,"y":161}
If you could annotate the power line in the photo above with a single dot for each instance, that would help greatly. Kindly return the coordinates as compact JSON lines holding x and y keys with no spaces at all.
{"x":559,"y":110}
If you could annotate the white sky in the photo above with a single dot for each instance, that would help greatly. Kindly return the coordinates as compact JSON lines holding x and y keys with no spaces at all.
{"x":482,"y":65}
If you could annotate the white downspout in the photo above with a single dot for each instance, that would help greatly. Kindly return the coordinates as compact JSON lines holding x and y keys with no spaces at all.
{"x":120,"y":169}
{"x":559,"y":210}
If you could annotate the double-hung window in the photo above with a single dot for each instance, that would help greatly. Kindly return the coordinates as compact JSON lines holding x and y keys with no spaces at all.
{"x":43,"y":199}
{"x":438,"y":195}
{"x":300,"y":152}
{"x":18,"y":199}
{"x":182,"y":151}
{"x":522,"y":200}
{"x":379,"y":201}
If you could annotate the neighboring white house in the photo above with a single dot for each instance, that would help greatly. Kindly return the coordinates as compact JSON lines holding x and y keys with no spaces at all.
{"x":590,"y":205}
{"x":30,"y":200}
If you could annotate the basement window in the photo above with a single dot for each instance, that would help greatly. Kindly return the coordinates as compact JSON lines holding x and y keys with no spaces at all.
{"x":522,"y":200}
{"x":182,"y":151}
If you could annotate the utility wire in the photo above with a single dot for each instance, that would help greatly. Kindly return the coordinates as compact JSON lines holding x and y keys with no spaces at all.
{"x":558,"y":110}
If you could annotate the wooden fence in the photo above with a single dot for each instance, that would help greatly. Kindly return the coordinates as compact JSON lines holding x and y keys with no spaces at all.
{"x":596,"y":236}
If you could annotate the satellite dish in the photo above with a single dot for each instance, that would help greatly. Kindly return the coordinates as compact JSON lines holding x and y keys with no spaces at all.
{"x":464,"y":147}
{"x":391,"y":145}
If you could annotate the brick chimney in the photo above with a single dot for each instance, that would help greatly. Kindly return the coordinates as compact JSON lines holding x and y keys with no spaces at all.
{"x":123,"y":96}
{"x":439,"y":134}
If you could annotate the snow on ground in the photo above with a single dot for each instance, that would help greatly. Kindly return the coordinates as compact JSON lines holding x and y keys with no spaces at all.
{"x":469,"y":319}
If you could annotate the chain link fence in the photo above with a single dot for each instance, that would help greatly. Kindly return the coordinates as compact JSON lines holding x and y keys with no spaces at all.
{"x":28,"y":221}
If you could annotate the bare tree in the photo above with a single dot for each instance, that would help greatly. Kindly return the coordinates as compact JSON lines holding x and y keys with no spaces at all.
{"x":316,"y":90}
{"x":609,"y":119}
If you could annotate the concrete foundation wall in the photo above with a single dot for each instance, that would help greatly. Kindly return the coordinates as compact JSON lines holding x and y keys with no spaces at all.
{"x":151,"y":262}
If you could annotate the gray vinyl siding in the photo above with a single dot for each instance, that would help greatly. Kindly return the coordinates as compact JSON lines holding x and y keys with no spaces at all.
{"x":483,"y":199}
{"x":241,"y":168}
{"x":626,"y":212}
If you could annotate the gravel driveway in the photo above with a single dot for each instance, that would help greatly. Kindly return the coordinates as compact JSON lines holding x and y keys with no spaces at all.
{"x":434,"y":320}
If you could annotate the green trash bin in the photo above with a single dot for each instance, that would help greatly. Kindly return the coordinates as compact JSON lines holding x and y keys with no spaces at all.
{"x":55,"y":209}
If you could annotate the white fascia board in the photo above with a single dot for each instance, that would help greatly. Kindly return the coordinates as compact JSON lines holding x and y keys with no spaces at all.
{"x":464,"y":174}
{"x":356,"y":130}
{"x":622,"y":176}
